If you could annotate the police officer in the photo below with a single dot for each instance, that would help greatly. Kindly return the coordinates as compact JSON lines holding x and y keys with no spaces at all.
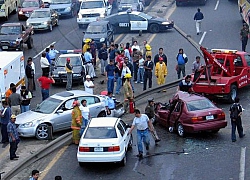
{"x":68,"y":68}
{"x":150,"y":112}
{"x":148,"y":67}
{"x":110,"y":105}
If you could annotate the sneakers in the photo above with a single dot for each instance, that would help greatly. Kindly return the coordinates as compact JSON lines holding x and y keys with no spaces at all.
{"x":157,"y":140}
{"x":136,"y":82}
{"x":242,"y":135}
{"x":139,"y":155}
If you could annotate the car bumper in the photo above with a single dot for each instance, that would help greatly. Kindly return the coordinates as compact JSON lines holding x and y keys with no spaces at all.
{"x":61,"y":80}
{"x":40,"y":27}
{"x":85,"y":21}
{"x":26,"y":132}
{"x":208,"y":126}
{"x":5,"y":46}
{"x":64,"y":13}
{"x":92,"y":157}
{"x":166,"y":27}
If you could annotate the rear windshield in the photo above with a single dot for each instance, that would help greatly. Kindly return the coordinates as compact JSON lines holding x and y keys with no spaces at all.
{"x":100,"y":133}
{"x":199,"y":105}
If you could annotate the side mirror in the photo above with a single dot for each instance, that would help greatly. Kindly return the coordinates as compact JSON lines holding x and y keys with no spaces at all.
{"x":60,"y":111}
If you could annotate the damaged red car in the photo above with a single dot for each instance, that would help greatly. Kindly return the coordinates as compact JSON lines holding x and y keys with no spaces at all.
{"x":190,"y":113}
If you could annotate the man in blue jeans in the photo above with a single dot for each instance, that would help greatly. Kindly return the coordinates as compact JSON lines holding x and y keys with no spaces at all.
{"x":110,"y":76}
{"x":143,"y":125}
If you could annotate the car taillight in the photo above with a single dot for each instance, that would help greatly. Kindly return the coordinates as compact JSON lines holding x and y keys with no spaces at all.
{"x":84,"y":149}
{"x":221,"y":115}
{"x":113,"y":148}
{"x":196,"y":119}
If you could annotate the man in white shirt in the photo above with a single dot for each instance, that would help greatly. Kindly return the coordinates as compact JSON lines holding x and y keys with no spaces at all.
{"x":44,"y":64}
{"x":89,"y":85}
{"x":135,"y":46}
{"x":85,"y":114}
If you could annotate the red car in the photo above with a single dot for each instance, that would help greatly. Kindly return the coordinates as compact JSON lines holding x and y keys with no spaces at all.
{"x":190,"y":113}
{"x":27,"y":7}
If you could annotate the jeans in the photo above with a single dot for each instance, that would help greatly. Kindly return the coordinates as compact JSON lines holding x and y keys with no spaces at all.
{"x":104,"y":63}
{"x":4,"y":133}
{"x":25,"y":108}
{"x":69,"y":82}
{"x":118,"y":84}
{"x":110,"y":84}
{"x":181,"y":69}
{"x":135,"y":65}
{"x":142,"y":136}
{"x":140,"y":75}
{"x":147,"y":77}
{"x":236,"y":124}
{"x":13,"y":148}
{"x":45,"y":94}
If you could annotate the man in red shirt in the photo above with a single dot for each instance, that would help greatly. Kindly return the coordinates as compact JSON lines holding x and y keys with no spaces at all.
{"x":44,"y":82}
{"x":120,"y":58}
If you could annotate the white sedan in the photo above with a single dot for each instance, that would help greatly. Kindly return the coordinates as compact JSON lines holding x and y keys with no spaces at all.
{"x":106,"y":139}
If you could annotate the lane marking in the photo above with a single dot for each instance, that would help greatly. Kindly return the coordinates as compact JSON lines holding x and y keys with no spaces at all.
{"x":5,"y":151}
{"x":52,"y":163}
{"x":217,"y":4}
{"x":242,"y":163}
{"x":118,"y":38}
{"x":202,"y":37}
{"x":43,"y":50}
{"x":170,"y":11}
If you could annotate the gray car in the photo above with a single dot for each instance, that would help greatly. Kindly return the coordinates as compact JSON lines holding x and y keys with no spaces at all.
{"x":133,"y":5}
{"x":55,"y":112}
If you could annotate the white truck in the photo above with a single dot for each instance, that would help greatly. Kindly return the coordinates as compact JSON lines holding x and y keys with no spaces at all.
{"x":11,"y":71}
{"x":93,"y":10}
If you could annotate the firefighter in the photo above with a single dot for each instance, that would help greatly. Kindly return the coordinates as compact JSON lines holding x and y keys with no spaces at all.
{"x":128,"y":91}
{"x":148,"y":50}
{"x":161,"y":71}
{"x":86,"y":45}
{"x":150,"y":112}
{"x":76,"y":122}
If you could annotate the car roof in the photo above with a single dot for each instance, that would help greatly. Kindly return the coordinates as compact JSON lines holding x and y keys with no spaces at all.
{"x":133,"y":12}
{"x":185,"y":96}
{"x":70,"y":55}
{"x":103,"y":122}
{"x":95,"y":23}
{"x":42,"y":9}
{"x":70,"y":94}
{"x":11,"y":24}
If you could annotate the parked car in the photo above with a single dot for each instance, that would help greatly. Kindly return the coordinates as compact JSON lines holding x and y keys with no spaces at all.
{"x":27,"y":7}
{"x":64,"y":7}
{"x":43,"y":19}
{"x":106,"y":139}
{"x":134,"y":5}
{"x":55,"y":112}
{"x":190,"y":113}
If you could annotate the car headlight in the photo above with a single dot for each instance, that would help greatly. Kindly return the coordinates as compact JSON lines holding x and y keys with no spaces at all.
{"x":165,"y":23}
{"x":68,"y":9}
{"x":27,"y":125}
{"x":77,"y":75}
{"x":55,"y":75}
{"x":46,"y":22}
{"x":102,"y":39}
{"x":20,"y":12}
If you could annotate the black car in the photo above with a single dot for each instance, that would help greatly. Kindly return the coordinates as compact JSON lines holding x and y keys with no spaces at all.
{"x":101,"y":32}
{"x":136,"y":21}
{"x":59,"y":72}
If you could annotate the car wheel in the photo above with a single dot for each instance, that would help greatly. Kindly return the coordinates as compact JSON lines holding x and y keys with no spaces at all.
{"x":124,"y":161}
{"x":50,"y":27}
{"x":233,"y":93}
{"x":30,"y":43}
{"x":81,"y":164}
{"x":154,"y":28}
{"x":130,"y":143}
{"x":178,"y":3}
{"x":180,"y":130}
{"x":102,"y":114}
{"x":215,"y":131}
{"x":42,"y":131}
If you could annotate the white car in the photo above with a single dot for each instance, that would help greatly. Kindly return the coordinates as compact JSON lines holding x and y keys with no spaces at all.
{"x":106,"y":139}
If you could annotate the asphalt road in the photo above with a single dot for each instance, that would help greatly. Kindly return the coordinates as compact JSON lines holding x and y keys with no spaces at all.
{"x":206,"y":156}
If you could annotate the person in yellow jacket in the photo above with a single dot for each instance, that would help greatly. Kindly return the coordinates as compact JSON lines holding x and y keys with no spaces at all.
{"x":76,"y":122}
{"x":128,"y":91}
{"x":86,"y":45}
{"x":161,"y":71}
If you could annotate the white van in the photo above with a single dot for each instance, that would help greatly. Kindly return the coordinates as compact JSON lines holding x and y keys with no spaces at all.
{"x":93,"y":10}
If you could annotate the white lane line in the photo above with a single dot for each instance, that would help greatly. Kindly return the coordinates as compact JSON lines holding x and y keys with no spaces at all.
{"x":202,"y":37}
{"x":217,"y":4}
{"x":242,"y":163}
{"x":43,"y":50}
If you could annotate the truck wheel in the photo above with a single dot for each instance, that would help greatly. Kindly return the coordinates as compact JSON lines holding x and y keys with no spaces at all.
{"x":233,"y":93}
{"x":30,"y":43}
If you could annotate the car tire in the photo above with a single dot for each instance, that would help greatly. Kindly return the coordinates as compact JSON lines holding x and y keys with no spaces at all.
{"x":124,"y":161}
{"x":30,"y":43}
{"x":233,"y":93}
{"x":102,"y":114}
{"x":215,"y":131}
{"x":81,"y":164}
{"x":130,"y":143}
{"x":50,"y":27}
{"x":154,"y":28}
{"x":42,"y":131}
{"x":180,"y":130}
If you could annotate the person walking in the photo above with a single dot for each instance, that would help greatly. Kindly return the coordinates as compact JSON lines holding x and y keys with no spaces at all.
{"x":181,"y":62}
{"x":135,"y":59}
{"x":85,"y":115}
{"x":34,"y":70}
{"x":110,"y":105}
{"x":161,"y":55}
{"x":13,"y":137}
{"x":103,"y":56}
{"x":128,"y":91}
{"x":69,"y":70}
{"x":76,"y":122}
{"x":9,"y":92}
{"x":29,"y":72}
{"x":161,"y":71}
{"x":93,"y":48}
{"x":196,"y":67}
{"x":44,"y":63}
{"x":34,"y":175}
{"x":140,"y":69}
{"x":44,"y":82}
{"x":89,"y":85}
{"x":148,"y":68}
{"x":5,"y":115}
{"x":150,"y":112}
{"x":135,"y":46}
{"x":186,"y":85}
{"x":198,"y":17}
{"x":26,"y":97}
{"x":89,"y":63}
{"x":110,"y":76}
{"x":118,"y":73}
{"x":244,"y":34}
{"x":143,"y":125}
{"x":235,"y":116}
{"x":14,"y":102}
{"x":112,"y":52}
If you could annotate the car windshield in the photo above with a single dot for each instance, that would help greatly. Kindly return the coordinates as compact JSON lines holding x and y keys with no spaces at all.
{"x":95,"y":30}
{"x":92,"y":4}
{"x":199,"y":105}
{"x":60,"y":2}
{"x":27,"y":4}
{"x":74,"y":61}
{"x":40,"y":14}
{"x":48,"y":105}
{"x":146,"y":16}
{"x":100,"y":133}
{"x":10,"y":30}
{"x":128,"y":1}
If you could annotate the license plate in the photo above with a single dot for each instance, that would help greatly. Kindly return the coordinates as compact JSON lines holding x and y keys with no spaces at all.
{"x":98,"y":149}
{"x":209,"y":117}
{"x":5,"y":47}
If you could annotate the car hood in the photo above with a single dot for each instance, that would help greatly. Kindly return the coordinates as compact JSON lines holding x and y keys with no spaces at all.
{"x":9,"y":37}
{"x":29,"y":9}
{"x":59,"y":6}
{"x":61,"y":70}
{"x":29,"y":116}
{"x":38,"y":20}
{"x":91,"y":11}
{"x":94,"y":36}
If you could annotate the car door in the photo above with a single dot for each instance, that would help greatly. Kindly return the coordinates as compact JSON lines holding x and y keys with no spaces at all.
{"x":163,"y":114}
{"x":127,"y":136}
{"x":138,"y":23}
{"x":176,"y":113}
{"x":123,"y":24}
{"x":247,"y":58}
{"x":123,"y":142}
{"x":94,"y":104}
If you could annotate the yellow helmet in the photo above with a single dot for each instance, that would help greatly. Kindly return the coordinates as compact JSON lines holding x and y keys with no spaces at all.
{"x":87,"y":40}
{"x":148,"y":47}
{"x":128,"y":75}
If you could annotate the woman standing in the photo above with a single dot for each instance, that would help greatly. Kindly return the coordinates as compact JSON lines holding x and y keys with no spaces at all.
{"x":118,"y":78}
{"x":76,"y":122}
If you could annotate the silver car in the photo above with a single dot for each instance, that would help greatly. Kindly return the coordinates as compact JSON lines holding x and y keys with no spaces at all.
{"x":55,"y":113}
{"x":133,"y":5}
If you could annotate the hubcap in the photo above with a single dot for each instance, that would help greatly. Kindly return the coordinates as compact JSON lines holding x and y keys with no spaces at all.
{"x":180,"y":130}
{"x":42,"y":132}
